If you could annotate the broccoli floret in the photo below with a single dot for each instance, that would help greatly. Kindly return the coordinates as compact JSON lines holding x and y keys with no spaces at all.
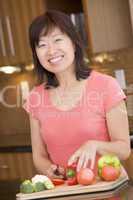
{"x":43,"y":179}
{"x":26,"y":187}
{"x":39,"y":186}
{"x":48,"y":184}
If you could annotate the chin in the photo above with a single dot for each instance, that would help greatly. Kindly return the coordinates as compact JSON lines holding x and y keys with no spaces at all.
{"x":59,"y":69}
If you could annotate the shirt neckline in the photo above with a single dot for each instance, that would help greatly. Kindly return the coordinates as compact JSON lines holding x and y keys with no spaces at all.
{"x":53,"y":107}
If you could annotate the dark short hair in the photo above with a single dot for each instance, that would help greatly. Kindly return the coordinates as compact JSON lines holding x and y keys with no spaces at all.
{"x":42,"y":25}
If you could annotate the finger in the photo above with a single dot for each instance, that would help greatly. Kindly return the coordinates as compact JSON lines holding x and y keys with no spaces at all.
{"x":73,"y":158}
{"x":80,"y":162}
{"x":93,"y":160}
{"x":61,"y":170}
{"x":86,"y":162}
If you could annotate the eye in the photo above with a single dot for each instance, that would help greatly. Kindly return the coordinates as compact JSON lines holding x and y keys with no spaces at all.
{"x":58,"y":39}
{"x":41,"y":44}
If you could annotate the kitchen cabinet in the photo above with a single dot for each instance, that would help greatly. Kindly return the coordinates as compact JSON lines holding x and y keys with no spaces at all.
{"x":131,"y":11}
{"x":16,"y":166}
{"x":15,"y":18}
{"x":108,"y":24}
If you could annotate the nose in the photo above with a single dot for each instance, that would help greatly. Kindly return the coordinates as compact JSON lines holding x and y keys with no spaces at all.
{"x":51,"y":48}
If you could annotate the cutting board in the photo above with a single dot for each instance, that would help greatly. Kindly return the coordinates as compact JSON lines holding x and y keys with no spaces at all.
{"x":64,"y":190}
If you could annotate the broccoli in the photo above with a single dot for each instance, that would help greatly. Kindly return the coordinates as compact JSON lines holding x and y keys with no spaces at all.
{"x":39,"y":186}
{"x":26,"y":187}
{"x":48,"y":184}
{"x":43,"y":179}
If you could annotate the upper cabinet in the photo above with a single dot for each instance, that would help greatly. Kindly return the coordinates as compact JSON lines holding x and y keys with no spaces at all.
{"x":15,"y":18}
{"x":108,"y":24}
{"x":131,"y":11}
{"x":104,"y":25}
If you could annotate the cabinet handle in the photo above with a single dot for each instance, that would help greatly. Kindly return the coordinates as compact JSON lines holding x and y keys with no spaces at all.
{"x":9,"y":31}
{"x":4,"y":166}
{"x":2,"y":41}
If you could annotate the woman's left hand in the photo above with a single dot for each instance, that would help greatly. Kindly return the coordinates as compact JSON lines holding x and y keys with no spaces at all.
{"x":85,"y":155}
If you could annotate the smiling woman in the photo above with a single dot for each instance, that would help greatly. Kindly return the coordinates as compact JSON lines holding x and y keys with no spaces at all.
{"x":58,"y":51}
{"x":80,"y":125}
{"x":53,"y":35}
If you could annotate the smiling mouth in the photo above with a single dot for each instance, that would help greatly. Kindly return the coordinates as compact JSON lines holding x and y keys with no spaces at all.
{"x":56,"y":59}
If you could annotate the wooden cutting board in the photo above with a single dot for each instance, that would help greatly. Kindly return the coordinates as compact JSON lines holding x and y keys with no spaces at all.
{"x":64,"y":190}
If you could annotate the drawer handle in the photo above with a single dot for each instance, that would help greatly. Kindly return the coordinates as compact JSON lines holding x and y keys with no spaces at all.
{"x":10,"y":37}
{"x":4,"y":166}
{"x":2,"y":40}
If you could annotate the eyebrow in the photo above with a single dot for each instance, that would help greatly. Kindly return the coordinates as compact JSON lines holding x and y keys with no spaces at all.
{"x":42,"y":38}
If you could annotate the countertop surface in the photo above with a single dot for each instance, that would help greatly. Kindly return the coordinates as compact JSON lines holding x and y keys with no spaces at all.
{"x":125,"y":191}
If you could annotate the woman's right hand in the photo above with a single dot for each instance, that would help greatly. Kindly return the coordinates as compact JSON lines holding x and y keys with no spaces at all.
{"x":55,"y":171}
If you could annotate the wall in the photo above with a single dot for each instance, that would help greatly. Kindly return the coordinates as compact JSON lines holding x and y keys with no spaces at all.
{"x":123,"y":59}
{"x":14,"y":121}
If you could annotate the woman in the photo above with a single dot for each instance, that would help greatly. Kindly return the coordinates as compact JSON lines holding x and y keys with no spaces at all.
{"x":76,"y":113}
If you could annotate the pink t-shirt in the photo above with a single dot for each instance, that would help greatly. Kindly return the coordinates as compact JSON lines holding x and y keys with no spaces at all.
{"x":65,"y":131}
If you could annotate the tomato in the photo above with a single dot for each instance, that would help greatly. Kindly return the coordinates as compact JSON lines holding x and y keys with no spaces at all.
{"x":85,"y":176}
{"x":72,"y":181}
{"x":57,"y":181}
{"x":110,"y":173}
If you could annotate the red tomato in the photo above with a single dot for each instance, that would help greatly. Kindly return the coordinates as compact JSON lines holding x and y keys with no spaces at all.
{"x":72,"y":181}
{"x":110,"y":173}
{"x":85,"y":176}
{"x":57,"y":181}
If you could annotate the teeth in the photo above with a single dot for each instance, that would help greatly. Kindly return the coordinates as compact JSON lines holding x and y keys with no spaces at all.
{"x":56,"y":59}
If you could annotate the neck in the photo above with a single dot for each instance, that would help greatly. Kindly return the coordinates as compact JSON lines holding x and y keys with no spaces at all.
{"x":66,"y":79}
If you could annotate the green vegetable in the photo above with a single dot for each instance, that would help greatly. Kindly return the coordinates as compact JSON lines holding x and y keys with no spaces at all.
{"x":48,"y":184}
{"x":26,"y":187}
{"x":39,"y":186}
{"x":109,"y":159}
{"x":70,"y":173}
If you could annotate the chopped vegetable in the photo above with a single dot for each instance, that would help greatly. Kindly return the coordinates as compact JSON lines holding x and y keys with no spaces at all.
{"x":45,"y":180}
{"x":27,"y":187}
{"x":39,"y":186}
{"x":58,"y":181}
{"x":48,"y":184}
{"x":39,"y":178}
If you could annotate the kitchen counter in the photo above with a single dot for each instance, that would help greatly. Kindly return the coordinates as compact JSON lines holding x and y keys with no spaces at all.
{"x":125,"y":190}
{"x":122,"y":190}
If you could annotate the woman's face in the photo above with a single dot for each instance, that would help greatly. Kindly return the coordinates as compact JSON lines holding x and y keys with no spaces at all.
{"x":55,"y":51}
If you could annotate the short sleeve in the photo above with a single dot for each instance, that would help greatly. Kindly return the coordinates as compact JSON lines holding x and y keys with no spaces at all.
{"x":113,"y":94}
{"x":32,"y":103}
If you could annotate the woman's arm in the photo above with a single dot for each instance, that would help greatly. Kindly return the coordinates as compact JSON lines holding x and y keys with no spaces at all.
{"x":117,"y":122}
{"x":40,"y":155}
